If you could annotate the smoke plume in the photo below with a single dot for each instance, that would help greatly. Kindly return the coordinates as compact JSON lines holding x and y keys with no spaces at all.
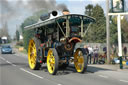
{"x":14,"y":9}
{"x":45,"y":4}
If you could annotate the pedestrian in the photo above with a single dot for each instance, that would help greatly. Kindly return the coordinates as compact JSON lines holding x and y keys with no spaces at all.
{"x":90,"y":53}
{"x":105,"y":52}
{"x":114,"y":50}
{"x":96,"y":53}
{"x":86,"y":49}
{"x":125,"y":51}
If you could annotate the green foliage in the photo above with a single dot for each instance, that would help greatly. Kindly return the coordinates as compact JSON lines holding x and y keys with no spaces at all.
{"x":89,"y":9}
{"x":27,"y":36}
{"x":20,"y":43}
{"x":113,"y":30}
{"x":124,"y":26}
{"x":113,"y":34}
{"x":97,"y":31}
{"x":30,"y":33}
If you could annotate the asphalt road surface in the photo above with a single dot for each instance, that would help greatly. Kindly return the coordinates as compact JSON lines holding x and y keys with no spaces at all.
{"x":14,"y":70}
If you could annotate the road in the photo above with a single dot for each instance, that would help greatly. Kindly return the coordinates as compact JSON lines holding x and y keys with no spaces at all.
{"x":14,"y":70}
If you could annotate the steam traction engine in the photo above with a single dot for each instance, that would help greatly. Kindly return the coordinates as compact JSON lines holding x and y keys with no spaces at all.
{"x":55,"y":40}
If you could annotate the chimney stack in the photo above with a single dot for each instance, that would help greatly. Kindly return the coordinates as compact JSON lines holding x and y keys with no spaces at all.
{"x":65,"y":12}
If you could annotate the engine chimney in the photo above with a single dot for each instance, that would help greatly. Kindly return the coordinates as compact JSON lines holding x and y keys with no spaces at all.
{"x":54,"y":13}
{"x":65,"y":12}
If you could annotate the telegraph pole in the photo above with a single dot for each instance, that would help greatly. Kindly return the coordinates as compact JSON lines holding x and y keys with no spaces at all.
{"x":108,"y":32}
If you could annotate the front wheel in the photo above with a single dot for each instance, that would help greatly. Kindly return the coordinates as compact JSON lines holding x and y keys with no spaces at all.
{"x":33,"y":49}
{"x":52,"y":61}
{"x":80,"y":60}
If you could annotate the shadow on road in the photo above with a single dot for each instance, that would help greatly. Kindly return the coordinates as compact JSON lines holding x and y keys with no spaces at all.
{"x":94,"y":69}
{"x":61,"y":71}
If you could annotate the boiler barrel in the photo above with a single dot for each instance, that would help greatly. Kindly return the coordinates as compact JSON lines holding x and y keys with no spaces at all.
{"x":45,"y":16}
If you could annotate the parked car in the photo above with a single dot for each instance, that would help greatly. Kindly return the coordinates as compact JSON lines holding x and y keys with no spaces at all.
{"x":6,"y":49}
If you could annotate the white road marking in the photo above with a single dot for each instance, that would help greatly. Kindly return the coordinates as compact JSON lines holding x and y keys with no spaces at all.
{"x":59,"y":84}
{"x":103,"y":76}
{"x":2,"y":58}
{"x":124,"y":81}
{"x":11,"y":63}
{"x":8,"y":62}
{"x":31,"y":73}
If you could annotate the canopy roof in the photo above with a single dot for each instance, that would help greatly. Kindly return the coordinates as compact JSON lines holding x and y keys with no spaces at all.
{"x":74,"y":19}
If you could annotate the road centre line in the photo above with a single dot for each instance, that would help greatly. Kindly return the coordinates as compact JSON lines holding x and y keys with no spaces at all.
{"x":2,"y":58}
{"x":124,"y":81}
{"x":31,"y":73}
{"x":8,"y":62}
{"x":24,"y":70}
{"x":59,"y":84}
{"x":34,"y":74}
{"x":11,"y":63}
{"x":103,"y":76}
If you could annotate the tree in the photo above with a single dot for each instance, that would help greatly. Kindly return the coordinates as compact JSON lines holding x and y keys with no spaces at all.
{"x":124,"y":30}
{"x":4,"y":30}
{"x":17,"y":35}
{"x":88,"y":10}
{"x":97,"y":31}
{"x":124,"y":26}
{"x":28,"y":34}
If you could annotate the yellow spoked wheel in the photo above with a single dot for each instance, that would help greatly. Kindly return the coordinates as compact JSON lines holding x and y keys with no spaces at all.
{"x":80,"y":60}
{"x":52,"y":61}
{"x":32,"y":54}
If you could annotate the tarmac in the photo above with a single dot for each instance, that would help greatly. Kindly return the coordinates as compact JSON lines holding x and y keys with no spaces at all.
{"x":99,"y":67}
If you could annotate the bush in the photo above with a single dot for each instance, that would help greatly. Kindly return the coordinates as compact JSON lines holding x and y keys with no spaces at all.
{"x":27,"y":36}
{"x":20,"y":43}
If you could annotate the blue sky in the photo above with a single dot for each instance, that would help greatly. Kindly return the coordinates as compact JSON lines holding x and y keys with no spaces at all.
{"x":78,"y":6}
{"x":75,"y":6}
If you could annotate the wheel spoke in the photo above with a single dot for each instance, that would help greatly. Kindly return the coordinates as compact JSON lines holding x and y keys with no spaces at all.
{"x":79,"y":60}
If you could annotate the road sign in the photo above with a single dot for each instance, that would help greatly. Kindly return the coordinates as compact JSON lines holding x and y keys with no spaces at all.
{"x":117,"y":6}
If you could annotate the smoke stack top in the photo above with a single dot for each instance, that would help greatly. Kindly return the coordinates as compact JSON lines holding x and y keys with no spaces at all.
{"x":66,"y":12}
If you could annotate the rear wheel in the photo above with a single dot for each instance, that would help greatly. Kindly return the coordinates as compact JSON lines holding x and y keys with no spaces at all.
{"x":52,"y":61}
{"x":33,"y":51}
{"x":80,"y":60}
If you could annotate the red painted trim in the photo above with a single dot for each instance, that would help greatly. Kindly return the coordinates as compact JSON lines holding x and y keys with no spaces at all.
{"x":75,"y":38}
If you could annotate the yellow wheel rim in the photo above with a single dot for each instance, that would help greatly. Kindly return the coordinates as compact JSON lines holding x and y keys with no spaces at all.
{"x":79,"y":60}
{"x":32,"y":54}
{"x":50,"y":62}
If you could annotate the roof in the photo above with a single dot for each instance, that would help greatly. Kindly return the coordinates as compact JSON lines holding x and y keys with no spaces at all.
{"x":74,"y":18}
